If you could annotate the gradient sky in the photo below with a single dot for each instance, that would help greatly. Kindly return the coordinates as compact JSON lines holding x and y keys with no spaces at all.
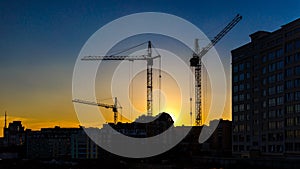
{"x":40,"y":41}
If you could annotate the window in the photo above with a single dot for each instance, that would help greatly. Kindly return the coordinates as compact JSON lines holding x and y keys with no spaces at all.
{"x":272,"y":90}
{"x":289,"y":47}
{"x":264,"y":81}
{"x":235,"y":69}
{"x":289,"y":97}
{"x":235,"y":89}
{"x":248,"y":65}
{"x":247,"y":106}
{"x":264,"y":59}
{"x":297,"y":108}
{"x":264,"y":70}
{"x":297,"y":82}
{"x":235,"y":118}
{"x":272,"y":102}
{"x":242,"y":77}
{"x":264,"y":93}
{"x":290,"y":109}
{"x":235,"y":78}
{"x":297,"y":120}
{"x":297,"y":44}
{"x":280,"y":77}
{"x":290,"y":121}
{"x":272,"y":79}
{"x":289,"y":72}
{"x":241,"y":87}
{"x":241,"y":97}
{"x":264,"y":104}
{"x":290,"y":134}
{"x":280,"y":65}
{"x":289,"y":59}
{"x":297,"y":57}
{"x":241,"y":107}
{"x":241,"y":66}
{"x":272,"y":125}
{"x":272,"y":67}
{"x":279,"y":112}
{"x":235,"y":98}
{"x":248,"y":75}
{"x":297,"y":95}
{"x":279,"y":100}
{"x":279,"y":52}
{"x":272,"y":114}
{"x":236,"y":109}
{"x":280,"y":88}
{"x":289,"y":84}
{"x":271,"y":56}
{"x":242,"y":117}
{"x":297,"y":70}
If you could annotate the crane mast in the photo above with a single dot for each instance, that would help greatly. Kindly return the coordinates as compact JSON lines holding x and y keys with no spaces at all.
{"x":149,"y":58}
{"x":195,"y":62}
{"x":114,"y":107}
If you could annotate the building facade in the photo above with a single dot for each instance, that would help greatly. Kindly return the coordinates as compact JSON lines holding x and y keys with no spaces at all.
{"x":14,"y":134}
{"x":49,"y":143}
{"x":266,"y":93}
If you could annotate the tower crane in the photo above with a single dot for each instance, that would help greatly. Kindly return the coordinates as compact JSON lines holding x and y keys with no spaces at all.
{"x":114,"y":107}
{"x":195,"y":62}
{"x":149,"y":58}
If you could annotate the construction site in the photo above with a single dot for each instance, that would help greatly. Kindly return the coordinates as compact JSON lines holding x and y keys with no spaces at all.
{"x":198,"y":102}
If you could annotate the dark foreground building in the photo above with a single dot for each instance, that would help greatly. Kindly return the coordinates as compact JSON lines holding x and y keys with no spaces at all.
{"x":266,"y":93}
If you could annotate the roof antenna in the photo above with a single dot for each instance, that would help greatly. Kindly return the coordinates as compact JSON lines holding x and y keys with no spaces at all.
{"x":5,"y":115}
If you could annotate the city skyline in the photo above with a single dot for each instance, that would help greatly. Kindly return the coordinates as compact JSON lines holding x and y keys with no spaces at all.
{"x":41,"y":41}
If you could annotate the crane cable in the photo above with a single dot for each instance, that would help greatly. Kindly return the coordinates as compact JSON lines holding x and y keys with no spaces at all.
{"x":125,"y":50}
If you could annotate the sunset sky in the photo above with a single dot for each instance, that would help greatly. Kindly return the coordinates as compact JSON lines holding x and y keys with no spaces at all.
{"x":40,"y":42}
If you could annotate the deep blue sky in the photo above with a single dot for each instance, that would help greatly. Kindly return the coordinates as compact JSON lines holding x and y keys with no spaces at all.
{"x":40,"y":41}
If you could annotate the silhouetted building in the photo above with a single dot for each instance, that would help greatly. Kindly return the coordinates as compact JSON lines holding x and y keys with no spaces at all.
{"x":82,"y":147}
{"x":14,"y":134}
{"x":50,"y":143}
{"x":266,"y":93}
{"x":220,"y":142}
